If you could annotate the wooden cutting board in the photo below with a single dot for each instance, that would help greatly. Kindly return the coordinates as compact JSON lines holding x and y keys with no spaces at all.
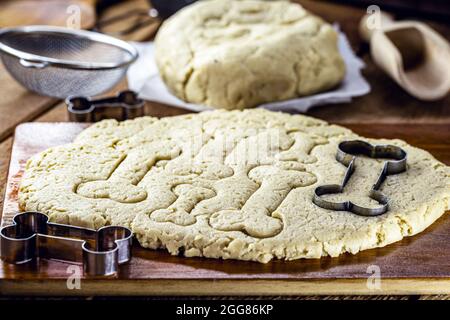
{"x":415,"y":265}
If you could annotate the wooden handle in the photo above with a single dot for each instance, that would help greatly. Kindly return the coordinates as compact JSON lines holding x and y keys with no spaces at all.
{"x":372,"y":22}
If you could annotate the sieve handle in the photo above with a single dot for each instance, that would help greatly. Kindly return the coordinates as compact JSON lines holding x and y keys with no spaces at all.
{"x":33,"y":64}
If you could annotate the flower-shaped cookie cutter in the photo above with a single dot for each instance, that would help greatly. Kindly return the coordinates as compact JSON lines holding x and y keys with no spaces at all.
{"x":346,"y":154}
{"x":32,"y":236}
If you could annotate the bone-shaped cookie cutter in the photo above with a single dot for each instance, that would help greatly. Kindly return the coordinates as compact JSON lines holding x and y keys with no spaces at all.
{"x":125,"y":105}
{"x":31,"y":236}
{"x":346,"y":154}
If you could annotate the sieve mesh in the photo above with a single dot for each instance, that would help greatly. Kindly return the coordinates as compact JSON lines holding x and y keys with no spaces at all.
{"x":66,"y":49}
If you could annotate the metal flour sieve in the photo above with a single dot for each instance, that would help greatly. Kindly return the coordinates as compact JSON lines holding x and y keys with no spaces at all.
{"x":61,"y":62}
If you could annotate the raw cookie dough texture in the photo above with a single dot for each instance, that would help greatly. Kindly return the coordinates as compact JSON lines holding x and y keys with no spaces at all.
{"x":239,"y":54}
{"x":231,"y":185}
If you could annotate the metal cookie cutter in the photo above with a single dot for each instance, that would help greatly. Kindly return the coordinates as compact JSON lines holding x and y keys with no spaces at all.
{"x":32,"y":235}
{"x":125,"y":105}
{"x":346,"y":154}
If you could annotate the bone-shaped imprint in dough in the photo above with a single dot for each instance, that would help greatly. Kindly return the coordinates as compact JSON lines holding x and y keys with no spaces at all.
{"x":179,"y":211}
{"x":301,"y":149}
{"x":258,"y":217}
{"x":121,"y":186}
{"x":190,"y":178}
{"x":218,"y":185}
{"x":232,"y":149}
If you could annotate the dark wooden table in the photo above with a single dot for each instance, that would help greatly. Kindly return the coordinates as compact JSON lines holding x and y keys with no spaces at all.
{"x":387,"y":106}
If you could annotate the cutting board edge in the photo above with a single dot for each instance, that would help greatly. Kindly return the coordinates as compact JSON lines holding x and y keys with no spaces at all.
{"x":234,"y":287}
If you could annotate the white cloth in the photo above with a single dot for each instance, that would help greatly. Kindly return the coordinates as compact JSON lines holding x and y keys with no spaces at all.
{"x":143,"y":77}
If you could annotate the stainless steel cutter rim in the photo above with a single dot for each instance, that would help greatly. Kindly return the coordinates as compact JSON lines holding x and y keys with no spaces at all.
{"x":106,"y":254}
{"x":396,"y":163}
{"x":3,"y":235}
{"x":102,"y":102}
{"x":71,"y":109}
{"x":43,"y":61}
{"x":14,"y":223}
{"x":89,"y":109}
{"x":398,"y":155}
{"x":126,"y":238}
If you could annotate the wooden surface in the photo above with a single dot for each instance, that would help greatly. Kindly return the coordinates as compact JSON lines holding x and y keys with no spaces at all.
{"x":415,"y":265}
{"x":48,"y":12}
{"x":385,"y":111}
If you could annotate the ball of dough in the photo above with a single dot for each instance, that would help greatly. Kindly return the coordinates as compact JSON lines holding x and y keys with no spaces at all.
{"x":239,"y":54}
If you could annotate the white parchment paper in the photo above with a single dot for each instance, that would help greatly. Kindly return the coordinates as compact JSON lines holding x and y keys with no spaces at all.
{"x":143,"y":77}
